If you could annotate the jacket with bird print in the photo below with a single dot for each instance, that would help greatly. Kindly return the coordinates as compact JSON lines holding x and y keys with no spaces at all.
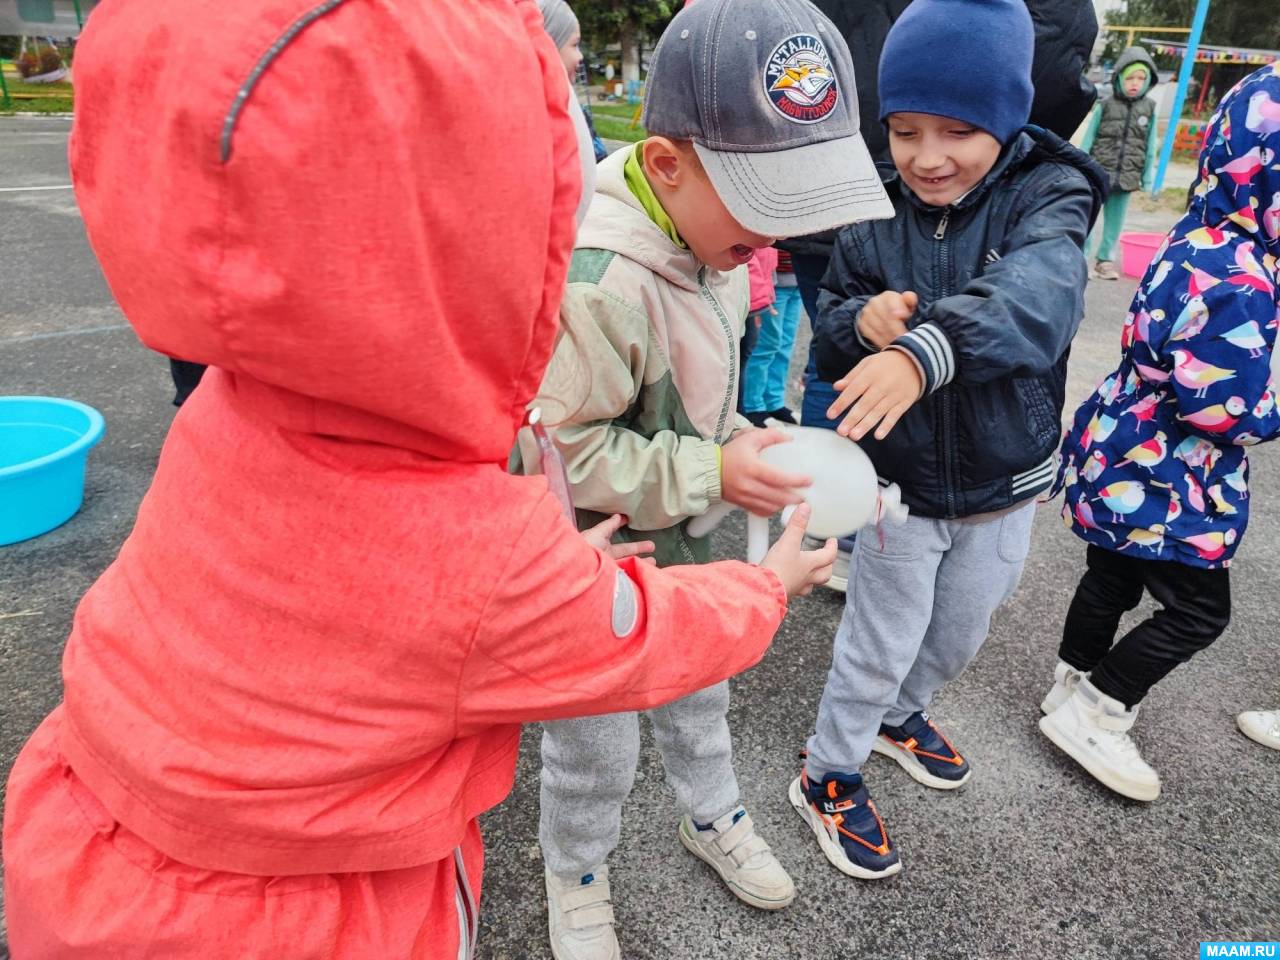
{"x":1154,"y":463}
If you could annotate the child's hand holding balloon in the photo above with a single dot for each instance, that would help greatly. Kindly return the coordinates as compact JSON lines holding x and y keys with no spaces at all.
{"x":799,"y":570}
{"x":749,"y":482}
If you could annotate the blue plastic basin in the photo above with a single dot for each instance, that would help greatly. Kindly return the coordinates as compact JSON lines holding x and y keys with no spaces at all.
{"x":44,"y":442}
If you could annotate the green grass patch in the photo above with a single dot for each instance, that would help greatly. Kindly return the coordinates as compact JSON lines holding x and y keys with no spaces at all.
{"x":38,"y":97}
{"x":624,"y":111}
{"x":613,"y":121}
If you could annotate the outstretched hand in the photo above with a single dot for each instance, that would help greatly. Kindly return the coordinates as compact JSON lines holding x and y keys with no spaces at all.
{"x":799,"y":570}
{"x":601,"y":537}
{"x":879,"y":390}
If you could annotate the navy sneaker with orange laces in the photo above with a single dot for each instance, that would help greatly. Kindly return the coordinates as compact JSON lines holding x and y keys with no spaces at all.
{"x":850,"y":832}
{"x":922,"y":750}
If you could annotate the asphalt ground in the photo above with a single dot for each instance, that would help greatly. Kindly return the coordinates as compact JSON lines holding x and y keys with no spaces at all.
{"x":1032,"y":858}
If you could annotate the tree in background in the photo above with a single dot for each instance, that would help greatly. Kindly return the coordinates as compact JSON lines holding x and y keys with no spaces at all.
{"x":1232,"y":23}
{"x":626,"y":22}
{"x":1236,"y":23}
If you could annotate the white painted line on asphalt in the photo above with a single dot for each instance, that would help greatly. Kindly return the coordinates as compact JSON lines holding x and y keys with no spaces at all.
{"x":65,"y":186}
{"x":64,"y":333}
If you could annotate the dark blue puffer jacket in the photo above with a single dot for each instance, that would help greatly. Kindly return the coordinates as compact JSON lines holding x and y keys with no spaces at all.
{"x":1000,"y":276}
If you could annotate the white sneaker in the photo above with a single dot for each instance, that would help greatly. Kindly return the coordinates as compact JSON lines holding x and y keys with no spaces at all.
{"x":1065,"y":678}
{"x":1093,"y":729}
{"x":839,"y":581}
{"x":743,"y":860}
{"x":580,"y":917}
{"x":1262,"y":726}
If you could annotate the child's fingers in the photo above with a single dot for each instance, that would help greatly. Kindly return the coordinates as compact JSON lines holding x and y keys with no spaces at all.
{"x":865,"y":406}
{"x":849,"y":394}
{"x":845,"y":380}
{"x":793,"y":532}
{"x":779,"y":479}
{"x":600,"y":535}
{"x":891,"y":420}
{"x":769,"y":436}
{"x":911,"y":299}
{"x":620,"y":551}
{"x":766,"y":501}
{"x":873,"y":416}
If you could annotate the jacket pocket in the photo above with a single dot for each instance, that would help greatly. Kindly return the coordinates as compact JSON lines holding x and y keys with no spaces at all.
{"x":1038,"y":411}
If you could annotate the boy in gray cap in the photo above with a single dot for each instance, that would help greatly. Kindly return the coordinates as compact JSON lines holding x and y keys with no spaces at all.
{"x":753,"y":122}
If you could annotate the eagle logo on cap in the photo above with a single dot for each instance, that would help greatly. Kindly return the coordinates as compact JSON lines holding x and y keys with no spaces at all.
{"x":799,"y":80}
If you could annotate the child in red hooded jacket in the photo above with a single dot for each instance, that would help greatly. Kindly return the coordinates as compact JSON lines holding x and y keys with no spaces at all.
{"x":262,"y":757}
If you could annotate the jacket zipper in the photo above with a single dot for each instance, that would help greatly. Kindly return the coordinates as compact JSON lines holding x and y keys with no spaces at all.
{"x":466,"y":905}
{"x":942,"y":263}
{"x":942,"y":225}
{"x":1124,"y":141}
{"x":732,"y":395}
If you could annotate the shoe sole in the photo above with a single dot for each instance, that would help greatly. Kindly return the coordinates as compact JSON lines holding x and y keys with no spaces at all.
{"x":741,"y":893}
{"x":918,"y":771}
{"x":1125,"y":788}
{"x":831,"y":849}
{"x":838,"y":584}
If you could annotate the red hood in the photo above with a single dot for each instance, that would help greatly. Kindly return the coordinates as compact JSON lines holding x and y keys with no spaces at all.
{"x":286,"y":222}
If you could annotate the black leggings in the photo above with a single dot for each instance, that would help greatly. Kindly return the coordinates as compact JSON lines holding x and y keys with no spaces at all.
{"x":1196,"y":608}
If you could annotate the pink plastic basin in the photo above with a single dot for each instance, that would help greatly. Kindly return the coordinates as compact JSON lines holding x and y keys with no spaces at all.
{"x":1137,"y":251}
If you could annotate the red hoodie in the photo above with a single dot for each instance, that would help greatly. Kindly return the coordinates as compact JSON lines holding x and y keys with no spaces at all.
{"x":314,"y":651}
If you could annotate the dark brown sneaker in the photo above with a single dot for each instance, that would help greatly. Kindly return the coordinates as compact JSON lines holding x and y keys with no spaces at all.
{"x":1105,"y":270}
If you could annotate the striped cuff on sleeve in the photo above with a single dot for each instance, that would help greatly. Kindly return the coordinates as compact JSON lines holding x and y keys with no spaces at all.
{"x":932,"y":350}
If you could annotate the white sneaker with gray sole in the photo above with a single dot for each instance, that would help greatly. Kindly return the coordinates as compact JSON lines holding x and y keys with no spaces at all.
{"x":1093,"y":729}
{"x":744,"y":861}
{"x":580,"y":917}
{"x":1262,"y":726}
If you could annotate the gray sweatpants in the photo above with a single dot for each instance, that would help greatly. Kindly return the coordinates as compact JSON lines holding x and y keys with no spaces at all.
{"x":918,"y":608}
{"x":589,"y":766}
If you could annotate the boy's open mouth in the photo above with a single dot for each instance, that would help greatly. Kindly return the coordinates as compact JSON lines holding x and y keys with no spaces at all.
{"x":741,"y":252}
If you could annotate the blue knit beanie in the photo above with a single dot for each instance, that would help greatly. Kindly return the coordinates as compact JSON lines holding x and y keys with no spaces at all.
{"x":966,"y":59}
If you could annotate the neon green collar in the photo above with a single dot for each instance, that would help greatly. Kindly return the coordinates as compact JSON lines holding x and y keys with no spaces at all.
{"x":633,"y":174}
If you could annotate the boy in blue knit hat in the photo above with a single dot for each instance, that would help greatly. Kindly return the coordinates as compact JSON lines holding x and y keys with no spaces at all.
{"x":946,"y":329}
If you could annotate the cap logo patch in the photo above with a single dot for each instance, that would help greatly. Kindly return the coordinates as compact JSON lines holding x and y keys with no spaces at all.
{"x":800,"y":81}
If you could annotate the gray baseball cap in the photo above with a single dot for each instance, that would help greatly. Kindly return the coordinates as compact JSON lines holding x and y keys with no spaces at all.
{"x":765,"y":90}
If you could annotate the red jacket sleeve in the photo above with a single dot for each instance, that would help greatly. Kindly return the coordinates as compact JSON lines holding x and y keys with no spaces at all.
{"x":569,"y":632}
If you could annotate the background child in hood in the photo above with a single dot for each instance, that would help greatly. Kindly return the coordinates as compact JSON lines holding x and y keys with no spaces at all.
{"x":1154,"y":468}
{"x":278,"y":744}
{"x":1121,"y":136}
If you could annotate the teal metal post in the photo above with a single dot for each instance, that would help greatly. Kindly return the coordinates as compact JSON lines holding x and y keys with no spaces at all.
{"x":5,"y":102}
{"x":79,"y":16}
{"x":1180,"y":97}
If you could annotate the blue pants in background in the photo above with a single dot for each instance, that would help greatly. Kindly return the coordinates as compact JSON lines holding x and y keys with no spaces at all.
{"x":764,"y":374}
{"x":818,"y":394}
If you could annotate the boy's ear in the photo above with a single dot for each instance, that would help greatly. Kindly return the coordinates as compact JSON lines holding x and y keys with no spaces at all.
{"x":663,"y":161}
